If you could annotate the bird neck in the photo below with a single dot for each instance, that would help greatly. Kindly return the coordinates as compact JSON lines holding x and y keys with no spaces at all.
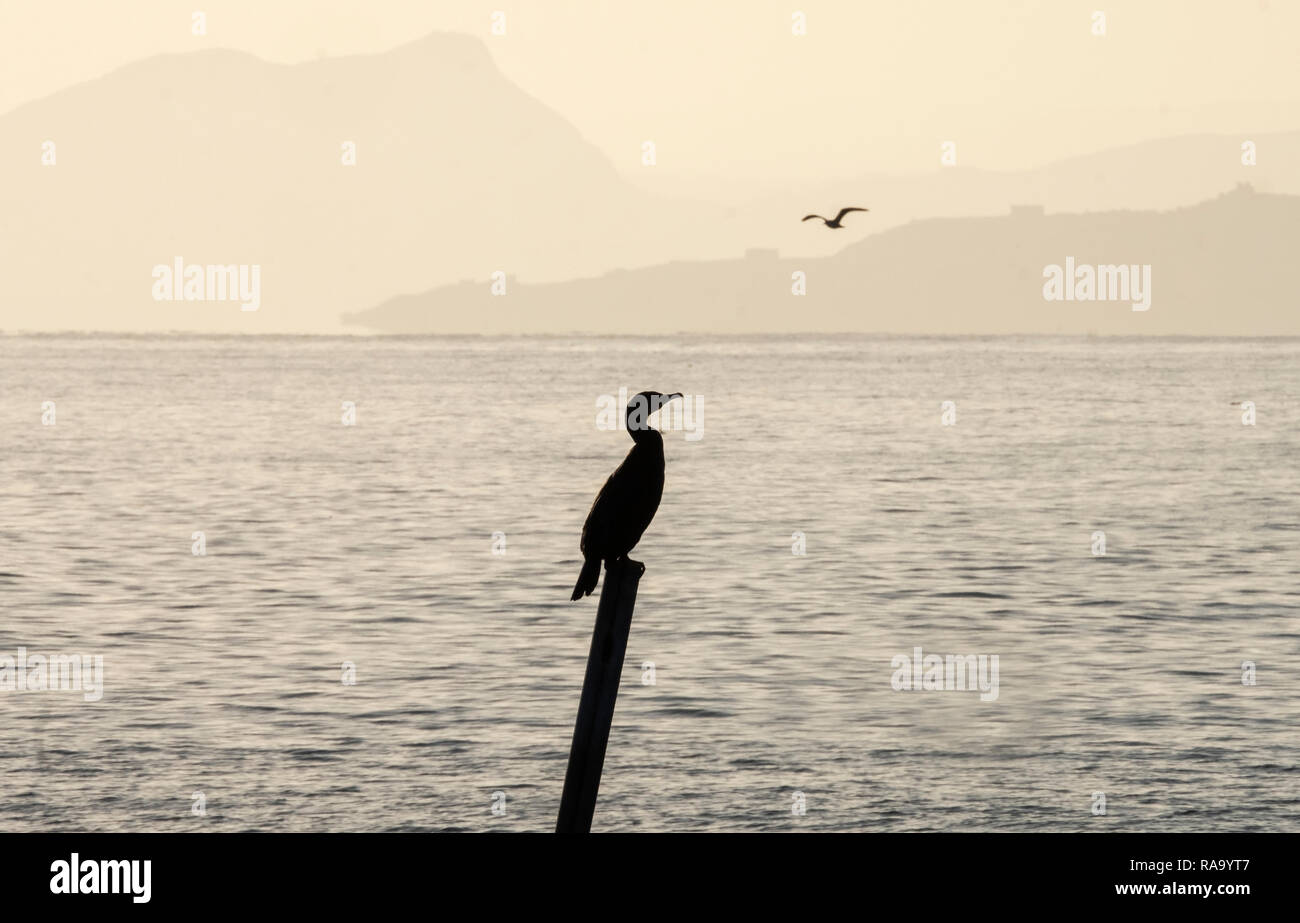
{"x":647,"y":438}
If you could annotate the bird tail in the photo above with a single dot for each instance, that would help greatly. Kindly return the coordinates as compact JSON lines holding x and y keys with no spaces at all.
{"x":587,"y":579}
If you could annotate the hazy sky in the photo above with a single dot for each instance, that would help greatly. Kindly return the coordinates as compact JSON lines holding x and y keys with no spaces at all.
{"x":724,"y":87}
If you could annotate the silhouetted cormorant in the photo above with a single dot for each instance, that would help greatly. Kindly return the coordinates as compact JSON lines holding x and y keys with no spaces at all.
{"x":835,"y":222}
{"x":626,"y":504}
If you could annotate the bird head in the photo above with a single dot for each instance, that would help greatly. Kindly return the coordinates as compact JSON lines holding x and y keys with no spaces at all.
{"x":642,"y":405}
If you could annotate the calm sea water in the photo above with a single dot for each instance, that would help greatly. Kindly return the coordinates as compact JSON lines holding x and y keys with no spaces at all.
{"x":372,"y":543}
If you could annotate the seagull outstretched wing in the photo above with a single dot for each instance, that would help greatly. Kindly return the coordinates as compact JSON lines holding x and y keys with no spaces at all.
{"x":806,"y":217}
{"x":845,"y":211}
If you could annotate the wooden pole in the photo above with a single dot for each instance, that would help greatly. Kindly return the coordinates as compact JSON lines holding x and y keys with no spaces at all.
{"x":599,"y":690}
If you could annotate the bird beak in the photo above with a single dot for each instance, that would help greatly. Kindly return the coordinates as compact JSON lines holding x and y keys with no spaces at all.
{"x":663,"y":400}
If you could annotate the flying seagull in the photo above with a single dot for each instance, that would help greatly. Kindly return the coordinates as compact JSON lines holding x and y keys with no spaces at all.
{"x":835,"y":222}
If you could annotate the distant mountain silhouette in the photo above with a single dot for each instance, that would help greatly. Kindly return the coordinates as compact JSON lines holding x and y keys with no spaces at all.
{"x":1222,"y":267}
{"x":218,"y":157}
{"x":1159,"y":174}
